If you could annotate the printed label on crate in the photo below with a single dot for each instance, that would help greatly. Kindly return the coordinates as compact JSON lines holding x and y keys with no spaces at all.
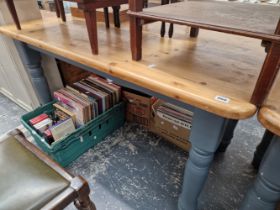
{"x":174,"y":120}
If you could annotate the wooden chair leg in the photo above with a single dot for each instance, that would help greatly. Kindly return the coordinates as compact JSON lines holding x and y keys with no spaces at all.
{"x":12,"y":9}
{"x":162,"y":29}
{"x":83,"y":201}
{"x":269,"y":70}
{"x":57,"y":8}
{"x":145,"y":4}
{"x":227,"y":136}
{"x":116,"y":11}
{"x":136,"y":30}
{"x":171,"y":29}
{"x":61,"y":10}
{"x":90,"y":16}
{"x":267,"y":75}
{"x":194,"y":32}
{"x":106,"y":17}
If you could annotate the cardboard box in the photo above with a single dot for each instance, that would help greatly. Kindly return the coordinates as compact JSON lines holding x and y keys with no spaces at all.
{"x":138,"y":108}
{"x":172,"y":129}
{"x":76,"y":12}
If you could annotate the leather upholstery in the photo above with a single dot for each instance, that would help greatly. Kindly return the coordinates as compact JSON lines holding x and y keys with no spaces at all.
{"x":25,"y":181}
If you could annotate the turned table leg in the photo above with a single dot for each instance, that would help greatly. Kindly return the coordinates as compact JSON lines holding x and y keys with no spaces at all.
{"x":135,"y":30}
{"x":12,"y":9}
{"x":206,"y":134}
{"x":262,"y":148}
{"x":265,"y":192}
{"x":32,"y":62}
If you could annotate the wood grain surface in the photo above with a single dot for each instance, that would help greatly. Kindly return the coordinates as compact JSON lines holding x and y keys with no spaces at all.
{"x":194,"y":71}
{"x":252,"y":20}
{"x":269,"y":114}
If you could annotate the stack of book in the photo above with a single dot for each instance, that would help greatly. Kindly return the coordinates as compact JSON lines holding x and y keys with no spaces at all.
{"x":172,"y":122}
{"x":88,"y":98}
{"x":76,"y":105}
{"x":174,"y":114}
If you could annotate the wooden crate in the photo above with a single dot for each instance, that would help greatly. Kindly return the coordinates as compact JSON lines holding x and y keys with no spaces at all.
{"x":70,"y":73}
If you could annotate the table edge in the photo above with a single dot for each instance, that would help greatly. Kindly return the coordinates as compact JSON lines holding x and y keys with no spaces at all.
{"x":239,"y":109}
{"x":270,"y":119}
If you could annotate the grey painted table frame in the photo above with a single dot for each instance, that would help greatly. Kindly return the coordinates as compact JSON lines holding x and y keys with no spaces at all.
{"x":265,"y":192}
{"x":32,"y":62}
{"x":206,"y":134}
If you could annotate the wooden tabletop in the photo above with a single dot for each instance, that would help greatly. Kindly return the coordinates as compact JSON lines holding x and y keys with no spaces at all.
{"x":269,"y":115}
{"x":252,"y":20}
{"x":201,"y":72}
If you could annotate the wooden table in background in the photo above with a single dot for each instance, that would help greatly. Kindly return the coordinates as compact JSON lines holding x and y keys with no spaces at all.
{"x":213,"y":75}
{"x":89,"y":8}
{"x":244,"y":19}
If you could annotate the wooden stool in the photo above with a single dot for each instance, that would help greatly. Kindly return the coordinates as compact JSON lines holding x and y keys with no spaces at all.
{"x":31,"y":180}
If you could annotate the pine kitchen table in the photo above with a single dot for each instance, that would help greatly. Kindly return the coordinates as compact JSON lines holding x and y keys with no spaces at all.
{"x":213,"y":75}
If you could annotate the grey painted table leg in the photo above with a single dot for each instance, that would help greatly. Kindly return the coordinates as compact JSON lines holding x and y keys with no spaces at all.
{"x":261,"y":149}
{"x":32,"y":62}
{"x":207,"y":131}
{"x":265,"y":191}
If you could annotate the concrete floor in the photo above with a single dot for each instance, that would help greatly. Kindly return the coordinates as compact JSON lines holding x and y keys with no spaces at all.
{"x":134,"y":169}
{"x":9,"y":114}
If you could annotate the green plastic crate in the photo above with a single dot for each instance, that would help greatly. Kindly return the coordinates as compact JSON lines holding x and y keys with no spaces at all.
{"x":72,"y":146}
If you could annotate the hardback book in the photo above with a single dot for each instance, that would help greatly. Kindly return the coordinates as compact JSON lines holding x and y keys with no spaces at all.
{"x":109,"y":84}
{"x":67,"y":110}
{"x":77,"y":108}
{"x":62,"y":129}
{"x":43,"y":125}
{"x":38,"y":119}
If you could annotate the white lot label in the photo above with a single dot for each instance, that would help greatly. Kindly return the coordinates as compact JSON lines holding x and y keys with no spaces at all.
{"x":222,"y":99}
{"x":152,"y":66}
